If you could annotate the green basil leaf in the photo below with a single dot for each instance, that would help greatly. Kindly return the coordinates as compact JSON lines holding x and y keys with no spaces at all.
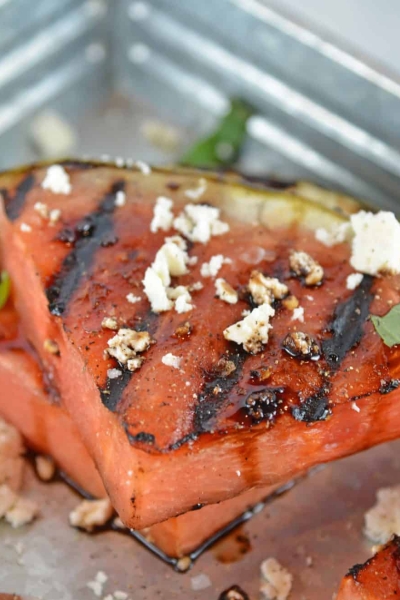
{"x":5,"y":286}
{"x":388,"y":326}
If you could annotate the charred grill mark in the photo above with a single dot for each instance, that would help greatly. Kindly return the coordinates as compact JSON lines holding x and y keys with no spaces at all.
{"x":79,"y":165}
{"x":210,"y":402}
{"x":190,"y":437}
{"x":15,"y":204}
{"x":354,"y":571}
{"x":389,"y":386}
{"x":315,"y":408}
{"x":111,"y":394}
{"x":347,"y":324}
{"x":264,"y":404}
{"x":89,"y":234}
{"x":142,"y":437}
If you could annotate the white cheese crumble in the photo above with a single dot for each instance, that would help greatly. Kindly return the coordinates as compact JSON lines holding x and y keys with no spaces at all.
{"x":198,"y":222}
{"x":353,"y":280}
{"x":171,"y":360}
{"x":200,"y":582}
{"x":127,"y":344}
{"x":45,"y":467}
{"x":196,"y":193}
{"x":383,"y":519}
{"x":98,"y":583}
{"x":57,"y":180}
{"x":252,"y":331}
{"x":163,"y":216}
{"x":156,"y":291}
{"x":170,"y":261}
{"x":298,"y":314}
{"x":266,"y":289}
{"x":143,"y":167}
{"x":119,"y":595}
{"x":42,"y":209}
{"x":109,"y":323}
{"x":225,"y":291}
{"x":22,"y":512}
{"x":336,"y":235}
{"x":120,"y":198}
{"x":91,"y":513}
{"x":11,"y":461}
{"x":25,"y":227}
{"x":132,"y":299}
{"x":376,"y":243}
{"x":182,"y":297}
{"x":214,"y":265}
{"x":7,"y":499}
{"x":114,"y":373}
{"x":276,"y":581}
{"x":355,"y":407}
{"x":303,"y":265}
{"x":52,"y":215}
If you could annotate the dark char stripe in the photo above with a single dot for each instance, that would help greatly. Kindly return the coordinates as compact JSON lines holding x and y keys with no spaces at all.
{"x":347,"y":324}
{"x":79,"y":259}
{"x":112,"y":393}
{"x":209,"y":404}
{"x":15,"y":204}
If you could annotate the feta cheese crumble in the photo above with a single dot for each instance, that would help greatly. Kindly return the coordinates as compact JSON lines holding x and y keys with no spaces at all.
{"x":127,"y":344}
{"x":276,"y":581}
{"x":132,"y":299}
{"x":143,"y":167}
{"x":114,"y":373}
{"x":303,"y":265}
{"x":298,"y":314}
{"x":109,"y":323}
{"x":170,"y":360}
{"x":383,"y":519}
{"x":25,"y":227}
{"x":170,"y":261}
{"x":266,"y":289}
{"x":354,"y":280}
{"x":376,"y":243}
{"x":199,"y":222}
{"x":163,"y":216}
{"x":182,"y":298}
{"x":212,"y":268}
{"x":252,"y":331}
{"x":336,"y":235}
{"x":57,"y":180}
{"x":355,"y":407}
{"x":225,"y":291}
{"x":120,"y":198}
{"x":43,"y":210}
{"x":22,"y":512}
{"x":91,"y":513}
{"x":196,"y":193}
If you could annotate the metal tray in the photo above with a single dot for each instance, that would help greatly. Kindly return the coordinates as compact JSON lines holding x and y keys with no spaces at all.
{"x":323,"y":114}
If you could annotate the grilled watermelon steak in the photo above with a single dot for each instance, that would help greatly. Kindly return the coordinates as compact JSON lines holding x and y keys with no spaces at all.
{"x":131,"y":285}
{"x":377,"y":579}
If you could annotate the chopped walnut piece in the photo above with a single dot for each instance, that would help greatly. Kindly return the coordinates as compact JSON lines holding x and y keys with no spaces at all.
{"x":303,"y":265}
{"x":45,"y":467}
{"x":224,"y":367}
{"x":91,"y":513}
{"x":51,"y":346}
{"x":291,"y":302}
{"x":183,"y":330}
{"x":301,"y":345}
